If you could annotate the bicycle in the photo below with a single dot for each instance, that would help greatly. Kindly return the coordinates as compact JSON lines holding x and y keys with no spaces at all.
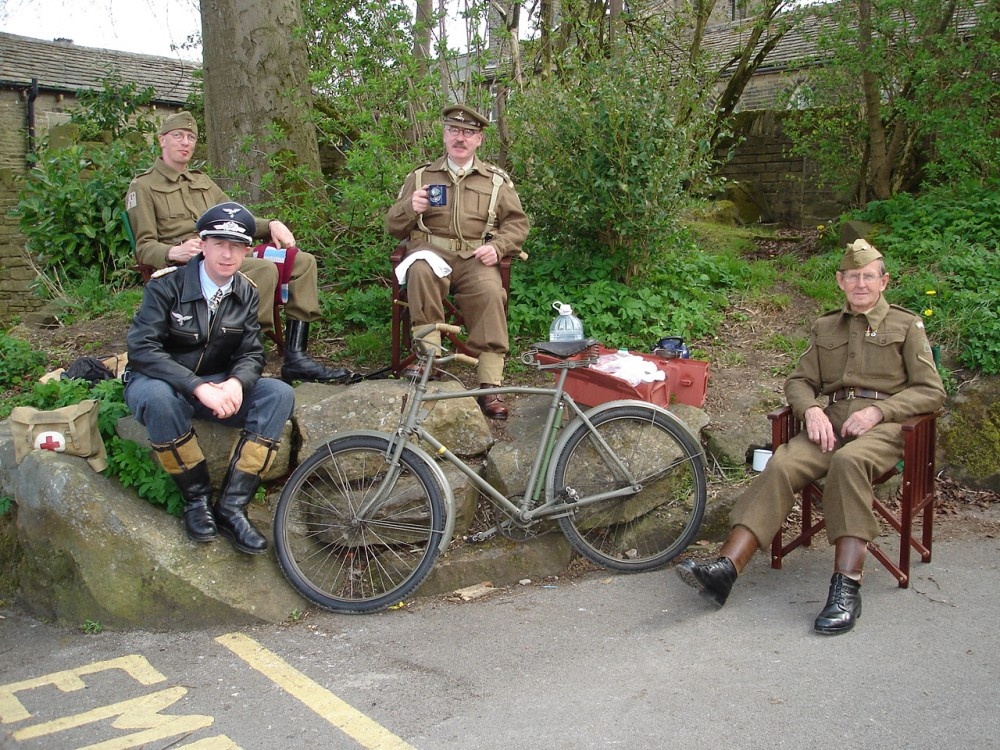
{"x":361,"y":522}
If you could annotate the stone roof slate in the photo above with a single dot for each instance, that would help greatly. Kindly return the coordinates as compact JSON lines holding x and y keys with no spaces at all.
{"x":65,"y":67}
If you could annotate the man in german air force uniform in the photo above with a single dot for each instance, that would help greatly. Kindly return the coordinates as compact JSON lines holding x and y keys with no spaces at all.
{"x":194,"y":351}
{"x":868,"y":368}
{"x":163,"y":204}
{"x":459,"y":216}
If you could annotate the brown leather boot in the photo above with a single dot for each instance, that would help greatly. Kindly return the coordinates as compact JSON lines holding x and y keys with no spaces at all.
{"x":715,"y":580}
{"x":493,"y":405}
{"x":185,"y":463}
{"x":843,"y":605}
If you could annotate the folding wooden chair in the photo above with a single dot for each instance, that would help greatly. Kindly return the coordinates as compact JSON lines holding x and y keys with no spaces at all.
{"x":916,"y":497}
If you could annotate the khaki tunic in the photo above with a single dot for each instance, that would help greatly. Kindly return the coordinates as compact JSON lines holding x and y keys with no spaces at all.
{"x":163,"y":208}
{"x":477,"y":288}
{"x":885,"y":349}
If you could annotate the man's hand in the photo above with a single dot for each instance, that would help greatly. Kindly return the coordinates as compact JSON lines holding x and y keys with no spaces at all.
{"x":861,"y":421}
{"x":222,"y":399}
{"x":419,"y":200}
{"x":819,"y":429}
{"x":487,"y":254}
{"x":182,"y":253}
{"x":281,"y":236}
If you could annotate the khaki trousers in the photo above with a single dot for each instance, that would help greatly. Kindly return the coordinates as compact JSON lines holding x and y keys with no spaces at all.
{"x":478,"y":294}
{"x":303,"y":294}
{"x":847,"y":493}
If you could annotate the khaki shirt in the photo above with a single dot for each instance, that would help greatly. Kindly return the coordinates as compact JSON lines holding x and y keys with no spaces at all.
{"x":164,"y":206}
{"x":465,"y":216}
{"x":885,"y":349}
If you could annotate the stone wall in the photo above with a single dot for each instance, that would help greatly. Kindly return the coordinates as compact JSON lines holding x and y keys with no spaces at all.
{"x":788,"y":183}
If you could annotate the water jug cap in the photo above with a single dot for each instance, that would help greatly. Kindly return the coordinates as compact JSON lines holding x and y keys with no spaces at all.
{"x":562,"y":307}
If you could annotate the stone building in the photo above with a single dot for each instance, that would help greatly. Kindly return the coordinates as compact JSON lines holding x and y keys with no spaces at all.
{"x":38,"y":85}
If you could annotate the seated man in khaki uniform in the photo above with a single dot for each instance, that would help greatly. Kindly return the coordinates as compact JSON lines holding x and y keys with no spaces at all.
{"x":473,"y":222}
{"x":868,"y":368}
{"x":163,"y":205}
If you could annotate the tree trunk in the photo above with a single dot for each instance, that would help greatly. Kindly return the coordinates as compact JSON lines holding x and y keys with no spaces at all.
{"x":880,"y":167}
{"x":257,"y":94}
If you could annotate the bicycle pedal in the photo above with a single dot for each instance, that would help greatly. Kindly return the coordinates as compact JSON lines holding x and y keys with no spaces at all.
{"x":480,"y":536}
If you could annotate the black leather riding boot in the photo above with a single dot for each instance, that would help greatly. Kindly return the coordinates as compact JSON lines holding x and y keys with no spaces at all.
{"x":185,"y":463}
{"x":251,"y":457}
{"x":715,"y":580}
{"x":298,"y":365}
{"x":843,"y":605}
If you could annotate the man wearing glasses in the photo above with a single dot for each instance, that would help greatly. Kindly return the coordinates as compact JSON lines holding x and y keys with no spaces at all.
{"x":163,"y":205}
{"x":459,"y":216}
{"x":868,"y":368}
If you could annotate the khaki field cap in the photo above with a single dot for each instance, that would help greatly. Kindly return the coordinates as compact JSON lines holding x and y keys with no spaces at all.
{"x":464,"y":117}
{"x":859,"y":254}
{"x":179,"y":121}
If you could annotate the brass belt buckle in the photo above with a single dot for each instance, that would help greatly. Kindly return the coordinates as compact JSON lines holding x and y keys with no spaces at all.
{"x":850,"y":394}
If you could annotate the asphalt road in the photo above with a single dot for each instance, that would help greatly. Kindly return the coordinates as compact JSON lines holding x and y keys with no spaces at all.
{"x":603,"y":661}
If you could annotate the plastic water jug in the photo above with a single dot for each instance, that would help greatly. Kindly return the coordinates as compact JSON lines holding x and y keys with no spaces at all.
{"x":566,"y":327}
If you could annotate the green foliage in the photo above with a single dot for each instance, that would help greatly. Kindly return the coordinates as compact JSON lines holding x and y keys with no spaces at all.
{"x":945,"y":242}
{"x":6,"y":503}
{"x":68,"y":206}
{"x":683,"y":293}
{"x":18,"y":362}
{"x":91,"y":627}
{"x":926,"y":62}
{"x":605,"y":177}
{"x":128,"y":461}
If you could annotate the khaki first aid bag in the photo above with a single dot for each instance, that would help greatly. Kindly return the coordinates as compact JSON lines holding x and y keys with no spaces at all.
{"x":71,"y":430}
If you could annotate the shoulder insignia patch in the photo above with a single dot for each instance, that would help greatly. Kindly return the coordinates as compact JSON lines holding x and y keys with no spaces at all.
{"x":163,"y":272}
{"x":130,"y":200}
{"x":920,"y":324}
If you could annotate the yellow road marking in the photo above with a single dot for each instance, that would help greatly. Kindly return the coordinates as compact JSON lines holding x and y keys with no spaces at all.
{"x":367,"y":732}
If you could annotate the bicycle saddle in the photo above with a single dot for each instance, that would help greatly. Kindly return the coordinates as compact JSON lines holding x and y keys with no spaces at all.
{"x":564,"y":349}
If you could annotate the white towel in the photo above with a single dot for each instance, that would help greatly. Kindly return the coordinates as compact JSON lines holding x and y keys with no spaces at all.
{"x":437,"y":263}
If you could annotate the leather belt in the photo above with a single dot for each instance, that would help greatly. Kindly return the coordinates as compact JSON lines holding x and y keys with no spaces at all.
{"x":846,"y":394}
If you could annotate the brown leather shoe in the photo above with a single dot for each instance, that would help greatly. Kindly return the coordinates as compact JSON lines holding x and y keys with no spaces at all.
{"x":492,"y":404}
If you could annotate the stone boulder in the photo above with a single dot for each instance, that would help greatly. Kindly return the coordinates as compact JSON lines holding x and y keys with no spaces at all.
{"x":970,"y":435}
{"x":93,"y":551}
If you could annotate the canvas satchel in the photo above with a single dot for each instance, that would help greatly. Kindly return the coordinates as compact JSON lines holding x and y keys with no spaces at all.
{"x":71,"y":430}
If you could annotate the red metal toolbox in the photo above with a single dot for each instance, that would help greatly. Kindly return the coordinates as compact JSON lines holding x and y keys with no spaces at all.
{"x":686,"y":382}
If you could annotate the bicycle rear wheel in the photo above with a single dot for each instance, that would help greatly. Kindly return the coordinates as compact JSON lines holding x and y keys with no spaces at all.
{"x":342,"y":560}
{"x":645,"y":530}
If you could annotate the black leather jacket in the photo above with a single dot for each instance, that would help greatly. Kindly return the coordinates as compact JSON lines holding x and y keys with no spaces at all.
{"x":170,"y":338}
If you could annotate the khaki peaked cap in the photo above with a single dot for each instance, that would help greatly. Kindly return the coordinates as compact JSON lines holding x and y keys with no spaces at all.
{"x":464,"y":117}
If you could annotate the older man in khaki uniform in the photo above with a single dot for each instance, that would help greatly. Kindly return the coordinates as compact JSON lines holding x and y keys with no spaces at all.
{"x":868,"y":368}
{"x":479,"y":222}
{"x":163,"y":205}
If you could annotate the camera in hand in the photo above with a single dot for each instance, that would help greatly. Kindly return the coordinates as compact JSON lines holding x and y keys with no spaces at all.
{"x":437,"y":195}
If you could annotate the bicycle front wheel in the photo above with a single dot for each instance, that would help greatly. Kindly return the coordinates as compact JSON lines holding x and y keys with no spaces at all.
{"x":347,"y":558}
{"x":647,"y":529}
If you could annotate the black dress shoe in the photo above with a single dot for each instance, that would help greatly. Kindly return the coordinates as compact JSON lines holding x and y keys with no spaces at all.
{"x":713,"y":580}
{"x":843,"y":606}
{"x":300,"y":366}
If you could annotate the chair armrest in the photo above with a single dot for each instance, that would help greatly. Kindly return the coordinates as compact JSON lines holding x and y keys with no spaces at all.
{"x":396,"y":257}
{"x":921,"y":421}
{"x":784,"y":426}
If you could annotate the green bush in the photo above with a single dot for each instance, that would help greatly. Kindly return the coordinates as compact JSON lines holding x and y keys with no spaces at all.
{"x":18,"y":363}
{"x":945,"y":242}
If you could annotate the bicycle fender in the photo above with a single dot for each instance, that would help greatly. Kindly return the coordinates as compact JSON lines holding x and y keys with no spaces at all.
{"x":568,"y":430}
{"x":449,"y":498}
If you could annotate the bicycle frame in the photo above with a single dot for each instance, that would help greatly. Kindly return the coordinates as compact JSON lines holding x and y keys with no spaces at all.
{"x":540,"y":477}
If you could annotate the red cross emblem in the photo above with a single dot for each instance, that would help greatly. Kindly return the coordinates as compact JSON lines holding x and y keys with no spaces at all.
{"x":51,"y":441}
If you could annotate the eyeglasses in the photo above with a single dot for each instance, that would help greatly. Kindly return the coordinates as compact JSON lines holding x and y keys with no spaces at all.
{"x":182,"y":136}
{"x":854,"y":278}
{"x":452,"y":130}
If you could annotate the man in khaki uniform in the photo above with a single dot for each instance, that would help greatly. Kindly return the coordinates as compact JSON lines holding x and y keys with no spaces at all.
{"x":163,"y":205}
{"x":481,"y":222}
{"x":868,"y":368}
